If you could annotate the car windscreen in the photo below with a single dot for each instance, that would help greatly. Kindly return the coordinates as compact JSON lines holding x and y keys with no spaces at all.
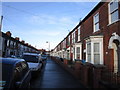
{"x":31,"y":58}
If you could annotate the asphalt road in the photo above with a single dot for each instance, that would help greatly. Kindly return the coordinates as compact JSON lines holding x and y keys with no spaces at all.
{"x":54,"y":76}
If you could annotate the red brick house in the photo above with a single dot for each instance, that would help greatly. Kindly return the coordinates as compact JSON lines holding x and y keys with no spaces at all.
{"x":100,"y":35}
{"x":96,"y":38}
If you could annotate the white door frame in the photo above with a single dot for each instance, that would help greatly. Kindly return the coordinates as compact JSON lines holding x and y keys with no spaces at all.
{"x":116,"y":49}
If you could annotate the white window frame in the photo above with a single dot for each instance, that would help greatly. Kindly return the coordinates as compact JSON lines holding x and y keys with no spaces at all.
{"x":96,"y":53}
{"x":8,"y":43}
{"x":75,"y":51}
{"x":92,"y":40}
{"x":68,"y":53}
{"x":77,"y":54}
{"x":79,"y":33}
{"x":87,"y":52}
{"x":64,"y":46}
{"x":1,"y":43}
{"x":96,"y":23}
{"x":69,"y":40}
{"x":110,"y":13}
{"x":74,"y":36}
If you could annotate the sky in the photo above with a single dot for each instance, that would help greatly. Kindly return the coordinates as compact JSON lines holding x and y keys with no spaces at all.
{"x":38,"y":22}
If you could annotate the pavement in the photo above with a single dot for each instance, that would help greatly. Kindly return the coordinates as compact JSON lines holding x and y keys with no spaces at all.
{"x":54,"y":76}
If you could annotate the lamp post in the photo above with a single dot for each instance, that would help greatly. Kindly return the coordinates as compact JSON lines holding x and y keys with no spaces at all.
{"x":1,"y":23}
{"x":1,"y":36}
{"x":48,"y":47}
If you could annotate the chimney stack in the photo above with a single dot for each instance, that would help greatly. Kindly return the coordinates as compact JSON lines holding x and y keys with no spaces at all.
{"x":27,"y":44}
{"x":23,"y":41}
{"x":17,"y":38}
{"x":8,"y":33}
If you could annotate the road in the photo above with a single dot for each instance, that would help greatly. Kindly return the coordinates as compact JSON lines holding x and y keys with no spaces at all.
{"x":54,"y":76}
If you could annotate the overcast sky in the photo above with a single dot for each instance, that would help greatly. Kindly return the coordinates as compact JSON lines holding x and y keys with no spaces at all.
{"x":38,"y":22}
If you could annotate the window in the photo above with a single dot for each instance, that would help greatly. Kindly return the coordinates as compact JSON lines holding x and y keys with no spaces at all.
{"x":69,"y":40}
{"x":96,"y":53}
{"x":65,"y":43}
{"x":94,"y":49}
{"x":1,"y":42}
{"x":79,"y":33}
{"x":8,"y":43}
{"x":11,"y":44}
{"x":96,"y":22}
{"x":68,"y":54}
{"x":89,"y":52}
{"x":14,"y":44}
{"x":113,"y":11}
{"x":78,"y":52}
{"x":73,"y":37}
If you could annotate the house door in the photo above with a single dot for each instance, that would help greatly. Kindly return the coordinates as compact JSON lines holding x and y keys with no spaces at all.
{"x":119,"y":58}
{"x":116,"y":48}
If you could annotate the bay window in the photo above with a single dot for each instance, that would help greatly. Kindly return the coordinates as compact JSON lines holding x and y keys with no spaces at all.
{"x":94,"y":49}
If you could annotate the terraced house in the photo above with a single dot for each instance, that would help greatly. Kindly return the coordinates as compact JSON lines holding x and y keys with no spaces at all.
{"x":11,"y":46}
{"x":96,"y":39}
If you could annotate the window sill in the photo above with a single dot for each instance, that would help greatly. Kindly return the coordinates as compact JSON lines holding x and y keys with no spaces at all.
{"x":113,"y":22}
{"x":96,"y":31}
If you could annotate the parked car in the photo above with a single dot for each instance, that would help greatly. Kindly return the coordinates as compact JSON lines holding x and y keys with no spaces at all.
{"x":44,"y":57}
{"x":15,"y":74}
{"x":34,"y":61}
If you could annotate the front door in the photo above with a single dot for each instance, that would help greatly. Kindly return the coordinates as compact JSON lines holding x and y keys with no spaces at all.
{"x":118,"y":58}
{"x":116,"y":48}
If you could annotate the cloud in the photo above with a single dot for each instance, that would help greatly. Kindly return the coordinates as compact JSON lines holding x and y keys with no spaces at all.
{"x":44,"y":32}
{"x":50,"y":19}
{"x":42,"y":19}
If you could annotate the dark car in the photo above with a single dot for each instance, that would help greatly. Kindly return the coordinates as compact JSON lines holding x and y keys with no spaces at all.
{"x":15,"y":74}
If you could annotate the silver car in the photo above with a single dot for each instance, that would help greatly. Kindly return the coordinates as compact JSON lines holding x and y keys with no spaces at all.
{"x":34,"y":61}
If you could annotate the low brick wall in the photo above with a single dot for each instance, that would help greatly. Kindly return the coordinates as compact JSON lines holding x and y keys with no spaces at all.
{"x":88,"y":74}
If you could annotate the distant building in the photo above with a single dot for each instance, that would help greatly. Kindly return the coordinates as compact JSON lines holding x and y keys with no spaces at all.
{"x":12,"y":46}
{"x":42,"y":51}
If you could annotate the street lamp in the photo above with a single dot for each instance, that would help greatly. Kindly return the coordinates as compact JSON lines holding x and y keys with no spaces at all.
{"x":48,"y":47}
{"x":1,"y":22}
{"x":1,"y":18}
